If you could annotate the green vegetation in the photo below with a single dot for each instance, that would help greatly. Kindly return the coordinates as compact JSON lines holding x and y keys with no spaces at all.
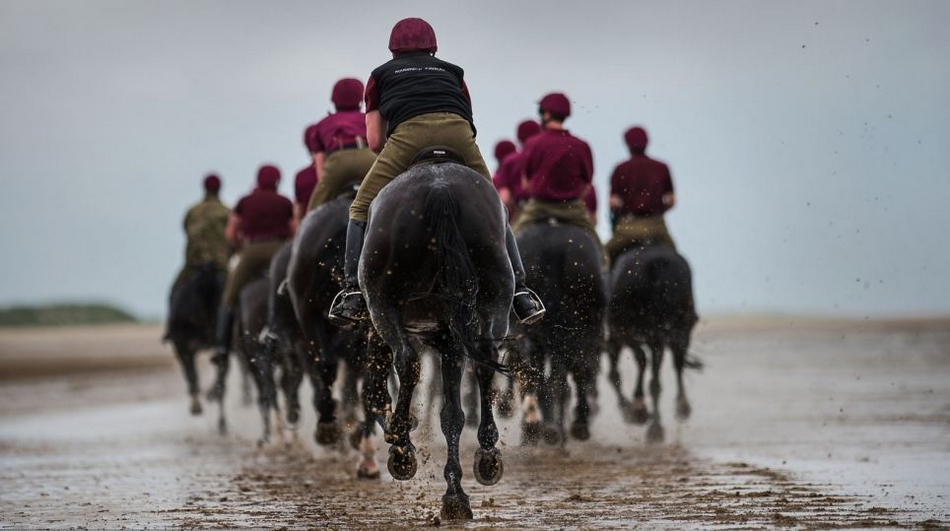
{"x":64,"y":314}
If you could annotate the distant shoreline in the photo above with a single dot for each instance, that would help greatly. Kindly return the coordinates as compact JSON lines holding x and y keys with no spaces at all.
{"x":38,"y":351}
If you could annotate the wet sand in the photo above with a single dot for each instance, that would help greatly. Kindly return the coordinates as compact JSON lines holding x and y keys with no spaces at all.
{"x":797,"y":424}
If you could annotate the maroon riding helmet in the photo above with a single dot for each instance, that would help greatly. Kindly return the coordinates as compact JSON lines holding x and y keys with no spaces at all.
{"x":412,"y":35}
{"x":268,"y":177}
{"x":347,"y":94}
{"x":212,"y":183}
{"x":636,"y":139}
{"x":503,"y":148}
{"x":556,"y":104}
{"x":527,"y":129}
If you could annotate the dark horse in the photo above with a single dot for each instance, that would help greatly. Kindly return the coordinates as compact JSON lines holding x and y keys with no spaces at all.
{"x":191,"y":320}
{"x":315,"y":275}
{"x":651,"y":304}
{"x":436,"y":273}
{"x":563,"y":264}
{"x":282,"y":340}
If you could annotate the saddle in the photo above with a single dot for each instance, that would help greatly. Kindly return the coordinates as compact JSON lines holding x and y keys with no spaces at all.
{"x":436,"y":155}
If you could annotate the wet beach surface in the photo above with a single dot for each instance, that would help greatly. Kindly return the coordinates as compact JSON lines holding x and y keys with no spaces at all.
{"x":796,"y":424}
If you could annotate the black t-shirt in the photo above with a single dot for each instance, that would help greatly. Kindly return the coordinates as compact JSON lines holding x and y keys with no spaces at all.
{"x":417,"y":83}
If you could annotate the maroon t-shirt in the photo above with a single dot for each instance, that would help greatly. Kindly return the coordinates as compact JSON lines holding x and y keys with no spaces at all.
{"x":304,"y":184}
{"x":558,"y":165}
{"x":338,"y":130}
{"x":265,"y":214}
{"x":641,"y":183}
{"x":508,"y":175}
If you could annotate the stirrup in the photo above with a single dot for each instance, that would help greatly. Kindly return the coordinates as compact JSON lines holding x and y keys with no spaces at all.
{"x":283,"y":288}
{"x":340,"y":320}
{"x":535,"y":313}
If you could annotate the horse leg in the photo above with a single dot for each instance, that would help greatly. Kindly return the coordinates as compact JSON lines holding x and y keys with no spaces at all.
{"x":584,"y":377}
{"x":376,"y":403}
{"x":558,"y":394}
{"x":548,"y":400}
{"x":328,"y":429}
{"x":488,"y":464}
{"x":506,"y":398}
{"x":262,"y":372}
{"x":471,"y":397}
{"x":614,"y":348}
{"x":655,"y":431}
{"x":186,"y":356}
{"x":683,"y":408}
{"x":221,"y":362}
{"x":290,"y":379}
{"x":244,"y":363}
{"x":368,"y":468}
{"x":402,"y":454}
{"x":349,"y":393}
{"x":532,"y":379}
{"x":455,"y":503}
{"x":639,"y":413}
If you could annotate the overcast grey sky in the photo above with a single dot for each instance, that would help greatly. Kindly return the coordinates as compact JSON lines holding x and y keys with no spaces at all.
{"x":809,"y":141}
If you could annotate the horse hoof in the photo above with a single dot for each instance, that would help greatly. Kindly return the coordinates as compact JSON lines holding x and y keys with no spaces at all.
{"x":683,"y":409}
{"x":402,"y":463}
{"x":530,"y":433}
{"x":655,"y":434}
{"x":293,"y":416}
{"x":551,"y":435}
{"x":367,"y":475}
{"x":455,"y":508}
{"x":195,"y":406}
{"x":580,"y":431}
{"x":488,"y":466}
{"x":328,"y":433}
{"x":635,"y":413}
{"x":222,"y":427}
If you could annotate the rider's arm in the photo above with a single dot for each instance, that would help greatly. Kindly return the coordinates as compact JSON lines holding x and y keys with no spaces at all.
{"x":669,"y":199}
{"x":616,"y":202}
{"x":318,"y":159}
{"x":233,"y":230}
{"x":375,"y":131}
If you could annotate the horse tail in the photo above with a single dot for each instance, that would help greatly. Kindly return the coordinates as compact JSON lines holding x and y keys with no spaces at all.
{"x":457,"y":274}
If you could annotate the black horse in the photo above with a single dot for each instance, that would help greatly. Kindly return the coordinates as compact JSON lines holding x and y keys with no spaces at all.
{"x":315,"y":275}
{"x":435,"y":272}
{"x":250,"y":319}
{"x":282,"y":339}
{"x":651,"y":304}
{"x":563,"y":264}
{"x":191,"y":320}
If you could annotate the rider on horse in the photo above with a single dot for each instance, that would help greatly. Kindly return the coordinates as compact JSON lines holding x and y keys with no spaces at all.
{"x":413,"y":102}
{"x":641,"y":190}
{"x":259,"y":225}
{"x":204,"y":226}
{"x":507,"y":178}
{"x":338,"y":142}
{"x":558,"y":170}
